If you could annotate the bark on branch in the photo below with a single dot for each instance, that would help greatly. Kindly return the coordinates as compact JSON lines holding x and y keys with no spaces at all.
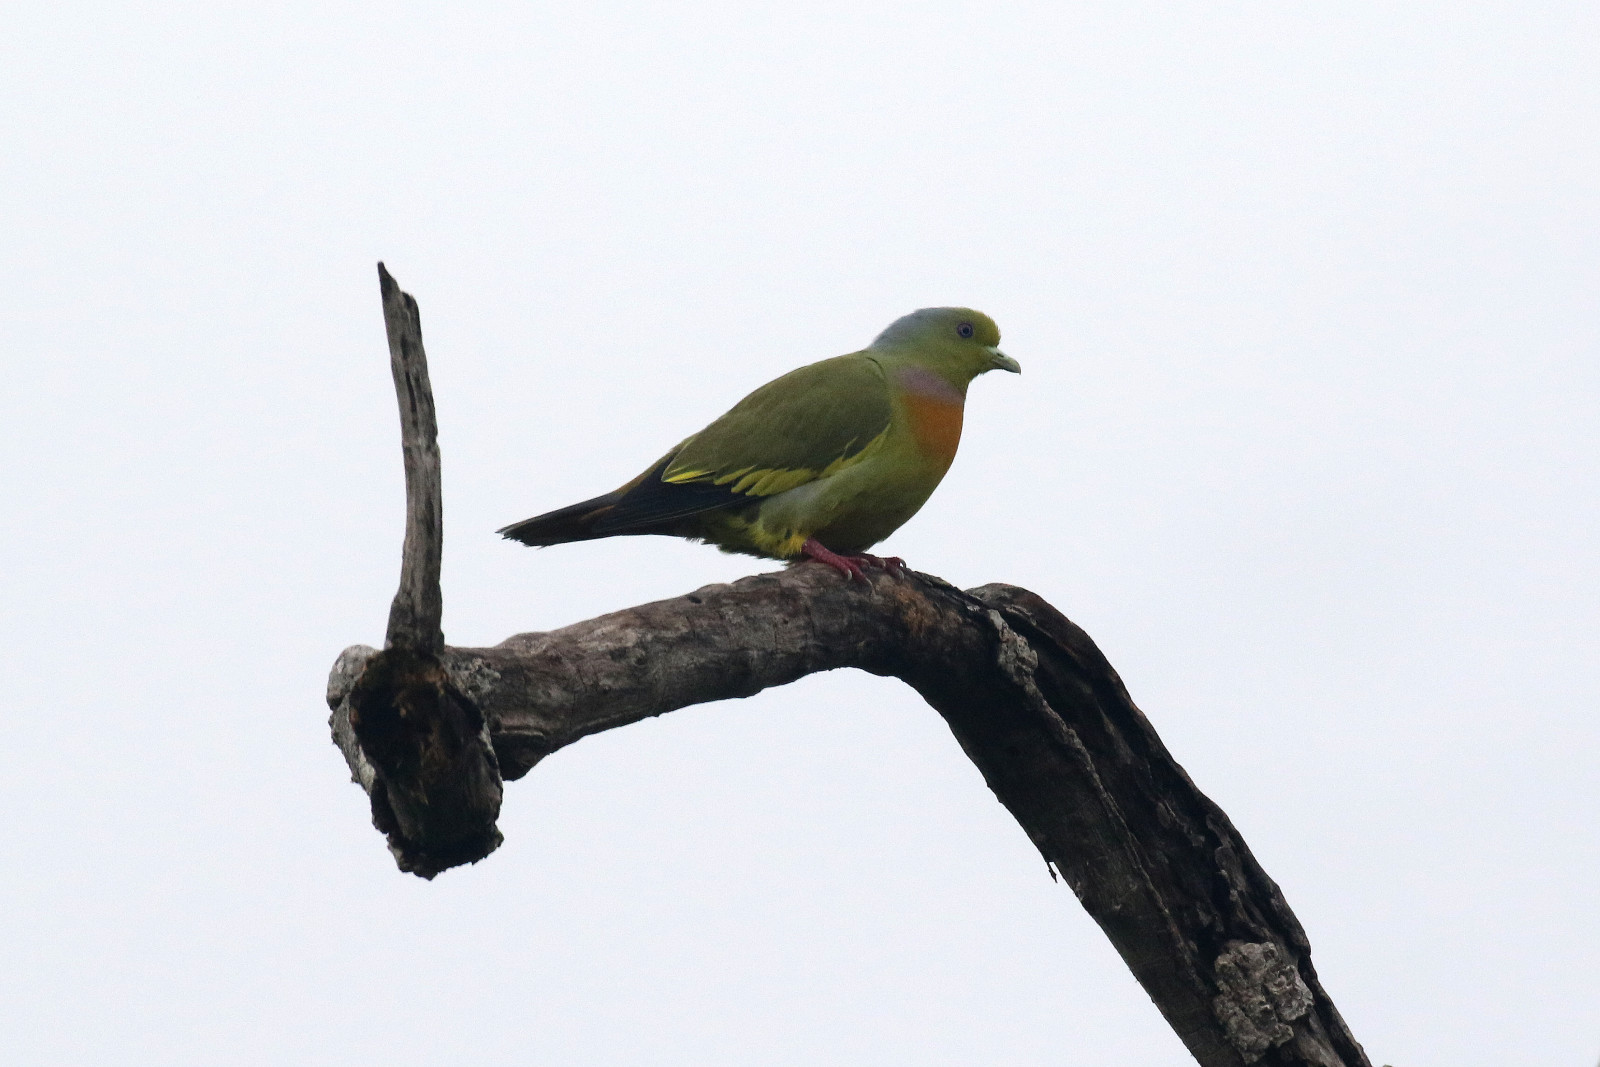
{"x":425,"y":758}
{"x":1026,"y":693}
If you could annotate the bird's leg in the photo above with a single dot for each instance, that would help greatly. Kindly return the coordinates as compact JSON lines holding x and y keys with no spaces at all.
{"x":851,"y":564}
{"x":845,"y":565}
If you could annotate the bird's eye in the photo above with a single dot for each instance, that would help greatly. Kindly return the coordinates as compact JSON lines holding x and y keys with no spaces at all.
{"x":965,"y":329}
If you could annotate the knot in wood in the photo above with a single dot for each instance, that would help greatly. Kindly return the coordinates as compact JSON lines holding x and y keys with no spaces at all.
{"x":1015,"y":657}
{"x":1260,"y":993}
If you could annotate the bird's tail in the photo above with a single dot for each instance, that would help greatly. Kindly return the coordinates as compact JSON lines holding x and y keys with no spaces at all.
{"x":572,"y":523}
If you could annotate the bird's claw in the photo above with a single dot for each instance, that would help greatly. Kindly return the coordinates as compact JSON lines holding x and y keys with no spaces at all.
{"x":893,"y":564}
{"x":853,"y":565}
{"x":851,"y":569}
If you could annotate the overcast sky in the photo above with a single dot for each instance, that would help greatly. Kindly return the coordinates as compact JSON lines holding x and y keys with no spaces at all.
{"x":1308,"y":306}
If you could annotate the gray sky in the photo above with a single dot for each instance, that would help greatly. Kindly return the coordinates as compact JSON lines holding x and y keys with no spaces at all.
{"x":1306,"y":439}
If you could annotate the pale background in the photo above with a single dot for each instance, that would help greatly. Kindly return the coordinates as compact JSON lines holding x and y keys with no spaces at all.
{"x":1306,"y":303}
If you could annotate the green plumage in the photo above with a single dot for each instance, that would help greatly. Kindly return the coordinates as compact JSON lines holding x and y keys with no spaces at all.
{"x":796,"y":425}
{"x":838,"y":453}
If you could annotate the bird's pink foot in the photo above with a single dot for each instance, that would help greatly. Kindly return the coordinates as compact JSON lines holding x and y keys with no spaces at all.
{"x":893,"y":564}
{"x":845,"y":565}
{"x":851,"y":565}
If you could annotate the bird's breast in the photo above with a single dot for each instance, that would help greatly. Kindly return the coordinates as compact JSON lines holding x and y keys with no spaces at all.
{"x":933,"y":409}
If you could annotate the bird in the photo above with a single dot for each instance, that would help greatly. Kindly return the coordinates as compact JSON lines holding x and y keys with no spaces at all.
{"x":821,"y":463}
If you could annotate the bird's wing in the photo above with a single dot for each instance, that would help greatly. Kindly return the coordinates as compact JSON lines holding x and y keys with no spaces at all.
{"x":795,"y":429}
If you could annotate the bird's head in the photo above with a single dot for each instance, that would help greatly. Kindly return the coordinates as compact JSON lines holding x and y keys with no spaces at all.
{"x":956,"y":343}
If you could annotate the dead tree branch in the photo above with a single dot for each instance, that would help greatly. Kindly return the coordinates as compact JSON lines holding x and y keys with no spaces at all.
{"x":1027,"y":694}
{"x":419,"y":748}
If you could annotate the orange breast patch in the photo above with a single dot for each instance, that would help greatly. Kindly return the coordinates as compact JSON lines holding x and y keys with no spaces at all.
{"x":936,"y":422}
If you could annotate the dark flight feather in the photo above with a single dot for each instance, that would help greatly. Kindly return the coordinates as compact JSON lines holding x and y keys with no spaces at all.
{"x":644,"y":506}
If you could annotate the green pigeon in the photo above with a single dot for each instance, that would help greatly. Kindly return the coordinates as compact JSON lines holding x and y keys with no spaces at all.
{"x":822,"y":463}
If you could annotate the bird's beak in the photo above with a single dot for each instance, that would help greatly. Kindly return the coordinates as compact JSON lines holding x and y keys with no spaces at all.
{"x":998,"y":360}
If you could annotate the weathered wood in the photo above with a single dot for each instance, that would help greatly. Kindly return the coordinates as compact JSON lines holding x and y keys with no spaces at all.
{"x":427,"y":730}
{"x":418,"y":607}
{"x":1034,"y":705}
{"x":418,"y":746}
